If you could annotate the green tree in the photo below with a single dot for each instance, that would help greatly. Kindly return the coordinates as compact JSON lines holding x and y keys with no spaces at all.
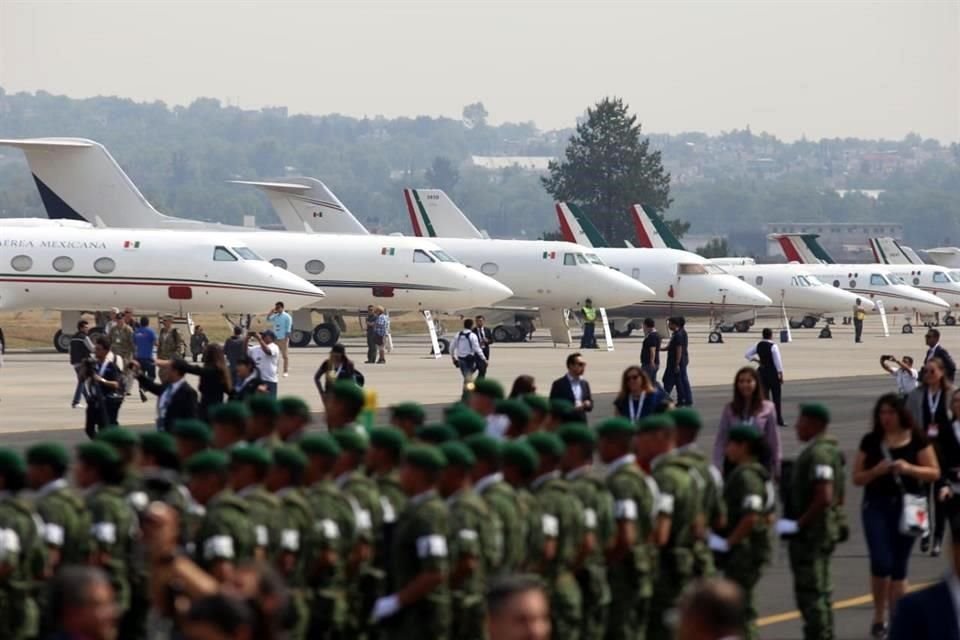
{"x":715,"y":248}
{"x":677,"y":227}
{"x":607,"y":167}
{"x":442,"y":174}
{"x":475,"y":115}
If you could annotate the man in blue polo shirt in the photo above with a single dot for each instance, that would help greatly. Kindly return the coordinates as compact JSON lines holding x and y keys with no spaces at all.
{"x":144,"y":341}
{"x":282,"y":326}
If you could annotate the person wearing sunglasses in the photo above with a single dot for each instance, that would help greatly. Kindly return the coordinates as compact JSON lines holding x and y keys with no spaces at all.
{"x":573,"y":387}
{"x":638,"y":397}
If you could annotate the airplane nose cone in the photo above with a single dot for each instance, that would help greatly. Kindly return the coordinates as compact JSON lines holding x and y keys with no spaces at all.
{"x":616,"y":289}
{"x":742,"y":293}
{"x":485,"y":290}
{"x":297,"y":292}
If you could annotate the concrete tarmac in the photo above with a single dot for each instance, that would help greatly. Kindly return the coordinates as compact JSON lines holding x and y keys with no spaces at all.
{"x":35,"y":391}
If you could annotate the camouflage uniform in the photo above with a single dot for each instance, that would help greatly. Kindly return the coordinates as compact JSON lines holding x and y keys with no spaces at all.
{"x":19,"y":616}
{"x":369,"y":582}
{"x":471,"y":534}
{"x":224,"y":532}
{"x":597,"y":503}
{"x":710,"y":485}
{"x":121,"y":340}
{"x":333,"y":529}
{"x":262,"y":508}
{"x":295,"y":534}
{"x":392,"y":502}
{"x":170,"y":344}
{"x":510,"y":531}
{"x":66,"y":522}
{"x":113,"y":529}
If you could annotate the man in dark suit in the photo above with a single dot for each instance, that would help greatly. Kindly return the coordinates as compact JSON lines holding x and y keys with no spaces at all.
{"x":573,"y":387}
{"x":102,"y":388}
{"x":176,"y":399}
{"x":931,"y":613}
{"x":485,"y":338}
{"x":934,"y":350}
{"x":678,"y":359}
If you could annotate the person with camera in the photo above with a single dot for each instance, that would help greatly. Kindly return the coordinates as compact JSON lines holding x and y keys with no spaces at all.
{"x":176,"y":399}
{"x":102,"y":387}
{"x":466,"y":351}
{"x":81,"y":346}
{"x":902,"y":371}
{"x":266,"y":355}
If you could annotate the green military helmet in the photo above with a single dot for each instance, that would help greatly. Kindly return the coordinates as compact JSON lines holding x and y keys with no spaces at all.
{"x":546,"y":444}
{"x":99,"y":455}
{"x":616,"y":427}
{"x":454,"y":408}
{"x":485,"y":448}
{"x":193,"y":430}
{"x":294,"y":406}
{"x":521,"y":455}
{"x":263,"y":404}
{"x":320,"y":444}
{"x":562,"y":410}
{"x":536,"y":403}
{"x":252,"y":454}
{"x":489,"y":387}
{"x":351,"y":440}
{"x":408,"y":411}
{"x":467,"y":423}
{"x":815,"y":411}
{"x":458,"y":454}
{"x":348,"y":392}
{"x":52,"y":454}
{"x":230,"y":413}
{"x":389,"y":438}
{"x":436,"y":433}
{"x":518,"y":412}
{"x":158,"y":443}
{"x":686,"y":418}
{"x":12,"y":467}
{"x":657,"y":422}
{"x":289,"y":457}
{"x":576,"y":433}
{"x":744,"y":433}
{"x":424,"y":456}
{"x":210,"y":461}
{"x":118,"y":437}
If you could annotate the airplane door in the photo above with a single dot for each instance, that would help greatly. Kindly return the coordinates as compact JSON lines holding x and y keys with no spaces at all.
{"x":635,"y":274}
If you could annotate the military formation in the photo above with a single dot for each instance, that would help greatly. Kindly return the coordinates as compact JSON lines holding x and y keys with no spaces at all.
{"x":395,"y":531}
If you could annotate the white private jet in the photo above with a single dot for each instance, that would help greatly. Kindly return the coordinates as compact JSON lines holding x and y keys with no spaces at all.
{"x":79,"y":180}
{"x":545,"y":276}
{"x":65,"y":266}
{"x":904,"y":262}
{"x":795,"y":291}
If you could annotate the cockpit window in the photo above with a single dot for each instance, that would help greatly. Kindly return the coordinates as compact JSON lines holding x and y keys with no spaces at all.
{"x":569,"y":260}
{"x":246,"y":253}
{"x":955,"y":276}
{"x":877,"y":280}
{"x":691,"y":269}
{"x":713,"y":268}
{"x":813,"y":280}
{"x":581,"y":259}
{"x":595,"y":259}
{"x":419,"y":255}
{"x":222,"y":254}
{"x":940,"y":277}
{"x":442,"y":256}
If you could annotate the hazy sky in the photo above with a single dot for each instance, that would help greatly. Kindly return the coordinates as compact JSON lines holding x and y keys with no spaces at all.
{"x":824,"y":69}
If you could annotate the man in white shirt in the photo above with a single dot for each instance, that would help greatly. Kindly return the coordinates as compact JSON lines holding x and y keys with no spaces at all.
{"x":902,"y":371}
{"x":466,"y":351}
{"x":767,"y":353}
{"x":266,"y":355}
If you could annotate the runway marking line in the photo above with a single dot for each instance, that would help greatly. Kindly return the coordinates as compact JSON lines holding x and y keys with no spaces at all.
{"x":849,"y":603}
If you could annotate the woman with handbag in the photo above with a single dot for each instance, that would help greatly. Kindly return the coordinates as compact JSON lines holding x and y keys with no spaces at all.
{"x":893,"y":465}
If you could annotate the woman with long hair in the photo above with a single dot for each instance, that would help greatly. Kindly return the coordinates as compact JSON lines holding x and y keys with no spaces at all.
{"x":337,"y":366}
{"x":638,"y":397}
{"x":894,"y":459}
{"x":523,"y":385}
{"x":216,"y":382}
{"x":749,"y":406}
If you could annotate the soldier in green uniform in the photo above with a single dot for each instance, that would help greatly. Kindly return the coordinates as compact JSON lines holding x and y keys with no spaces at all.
{"x":170,"y":343}
{"x":383,"y":465}
{"x":520,"y":464}
{"x":225,"y":534}
{"x":344,"y":401}
{"x":121,"y":340}
{"x":284,"y":480}
{"x":631,"y":556}
{"x":408,"y":417}
{"x":333,"y":541}
{"x":466,"y":423}
{"x":248,"y":470}
{"x":589,"y":487}
{"x":191,"y":437}
{"x":709,"y":481}
{"x":509,"y":533}
{"x":127,"y":445}
{"x":418,"y":557}
{"x":22,"y":554}
{"x":810,"y":520}
{"x":562,"y":536}
{"x":294,"y":419}
{"x":436,"y":434}
{"x":114,"y":528}
{"x":160,"y":468}
{"x":745,"y":546}
{"x":539,"y":410}
{"x":561,"y":412}
{"x":228,"y":422}
{"x":470,"y":542}
{"x":262,"y":424}
{"x":679,"y":518}
{"x":518,"y":414}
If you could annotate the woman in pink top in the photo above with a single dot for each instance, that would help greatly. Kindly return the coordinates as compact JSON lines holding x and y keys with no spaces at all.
{"x":749,"y":406}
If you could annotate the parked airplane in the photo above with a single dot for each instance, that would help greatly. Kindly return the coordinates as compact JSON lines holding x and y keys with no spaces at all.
{"x":945,"y":256}
{"x":65,"y":266}
{"x":79,"y":180}
{"x":890,"y":251}
{"x":685,"y":284}
{"x":793,"y":289}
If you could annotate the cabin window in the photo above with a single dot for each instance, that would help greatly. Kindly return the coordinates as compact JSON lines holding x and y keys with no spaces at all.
{"x":836,"y":283}
{"x":104,"y":265}
{"x":419,"y":255}
{"x":222,"y":254}
{"x":569,"y":260}
{"x":21,"y":263}
{"x":314,"y":267}
{"x":759,"y":280}
{"x":853,"y":284}
{"x":279,"y":262}
{"x":489,"y":268}
{"x":916,"y":281}
{"x":63,"y":264}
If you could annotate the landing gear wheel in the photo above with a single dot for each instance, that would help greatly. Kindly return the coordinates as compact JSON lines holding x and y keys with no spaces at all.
{"x":326,"y":334}
{"x":809,"y":322}
{"x":501,"y":334}
{"x":742,"y":327}
{"x":825,"y":333}
{"x":61,"y":341}
{"x":950,"y":321}
{"x":907,"y":328}
{"x":796,"y":324}
{"x":715,"y":337}
{"x":444,"y":346}
{"x":299,"y":338}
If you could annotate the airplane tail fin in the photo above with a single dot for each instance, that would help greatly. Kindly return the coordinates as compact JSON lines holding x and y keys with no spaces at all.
{"x":570,"y":226}
{"x":652,"y":231}
{"x":78,"y":179}
{"x":306,"y":204}
{"x":889,"y":251}
{"x":802,"y":248}
{"x":433,"y":214}
{"x":592,"y":235}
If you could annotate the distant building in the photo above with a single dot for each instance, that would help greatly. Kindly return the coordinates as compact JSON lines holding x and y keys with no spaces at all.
{"x":842,"y":240}
{"x":527,"y":163}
